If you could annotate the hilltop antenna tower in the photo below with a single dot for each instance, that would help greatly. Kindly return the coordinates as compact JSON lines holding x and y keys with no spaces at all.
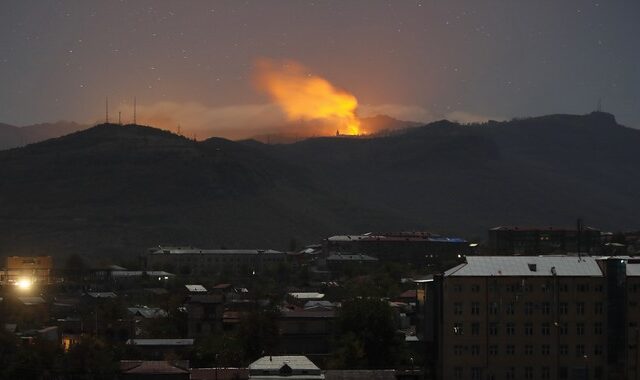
{"x":134,"y":110}
{"x":119,"y":117}
{"x":599,"y":109}
{"x":106,"y":108}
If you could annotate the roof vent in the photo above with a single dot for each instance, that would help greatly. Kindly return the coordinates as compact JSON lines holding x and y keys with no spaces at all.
{"x":553,"y":271}
{"x":533,"y":267}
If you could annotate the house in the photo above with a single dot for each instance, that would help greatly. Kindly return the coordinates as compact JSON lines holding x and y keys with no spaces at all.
{"x":284,"y":367}
{"x":306,"y":332}
{"x":150,"y":370}
{"x":160,"y":348}
{"x":204,"y":315}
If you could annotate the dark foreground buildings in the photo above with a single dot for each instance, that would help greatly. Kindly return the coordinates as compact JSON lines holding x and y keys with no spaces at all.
{"x":534,"y":317}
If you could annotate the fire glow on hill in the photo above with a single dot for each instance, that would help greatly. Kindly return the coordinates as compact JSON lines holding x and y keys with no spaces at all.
{"x":306,"y":97}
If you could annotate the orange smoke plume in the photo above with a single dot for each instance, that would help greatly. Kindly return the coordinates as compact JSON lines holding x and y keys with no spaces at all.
{"x":306,"y":97}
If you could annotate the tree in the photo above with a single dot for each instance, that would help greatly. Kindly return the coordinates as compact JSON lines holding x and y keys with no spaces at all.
{"x":91,"y":358}
{"x":367,"y":325}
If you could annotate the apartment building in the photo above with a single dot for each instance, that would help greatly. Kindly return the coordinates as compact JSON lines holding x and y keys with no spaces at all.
{"x":196,"y":261}
{"x":533,"y":317}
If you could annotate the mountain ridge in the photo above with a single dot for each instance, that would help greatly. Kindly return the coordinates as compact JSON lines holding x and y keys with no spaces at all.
{"x":115,"y":190}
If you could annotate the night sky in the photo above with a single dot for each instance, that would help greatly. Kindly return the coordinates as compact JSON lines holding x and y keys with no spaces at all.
{"x":193,"y":62}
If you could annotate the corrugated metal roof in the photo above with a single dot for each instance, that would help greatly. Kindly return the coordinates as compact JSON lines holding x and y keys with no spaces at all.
{"x":274,"y":363}
{"x":160,"y":342}
{"x":196,"y":288}
{"x":307,"y":295}
{"x":527,"y":266}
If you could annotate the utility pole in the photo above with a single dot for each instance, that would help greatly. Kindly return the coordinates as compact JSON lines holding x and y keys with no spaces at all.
{"x":106,"y":108}
{"x":134,"y":110}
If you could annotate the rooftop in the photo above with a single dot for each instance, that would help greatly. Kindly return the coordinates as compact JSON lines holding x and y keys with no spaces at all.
{"x":397,"y":236}
{"x":195,"y":251}
{"x":160,"y":342}
{"x":274,"y":363}
{"x":307,"y":295}
{"x":196,"y":288}
{"x":151,"y":367}
{"x":526,"y":266}
{"x":350,"y":257}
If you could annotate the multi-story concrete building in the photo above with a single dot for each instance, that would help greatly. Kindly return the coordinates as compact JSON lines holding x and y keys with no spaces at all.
{"x":35,"y":269}
{"x":195,"y":261}
{"x":514,"y":240}
{"x":534,"y":317}
{"x":419,"y":248}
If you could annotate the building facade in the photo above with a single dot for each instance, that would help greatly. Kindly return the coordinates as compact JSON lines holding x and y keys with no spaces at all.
{"x":418,"y":248}
{"x":36,"y":269}
{"x":509,"y":240}
{"x":533,"y":317}
{"x":195,"y":261}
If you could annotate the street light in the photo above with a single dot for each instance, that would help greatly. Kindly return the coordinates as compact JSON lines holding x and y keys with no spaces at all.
{"x":24,"y":284}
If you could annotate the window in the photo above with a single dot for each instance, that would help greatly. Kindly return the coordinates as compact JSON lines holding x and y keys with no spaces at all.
{"x":564,"y":328}
{"x":528,"y":349}
{"x":475,"y":288}
{"x":580,"y":308}
{"x":528,"y":373}
{"x":528,"y":328}
{"x":475,"y":350}
{"x":564,"y":288}
{"x":475,"y":328}
{"x":563,"y":349}
{"x":598,"y":308}
{"x":457,"y":288}
{"x":457,"y":308}
{"x":493,"y":349}
{"x":493,"y":328}
{"x":580,"y":350}
{"x":563,"y":308}
{"x":476,"y":373}
{"x":493,"y":308}
{"x":528,"y":308}
{"x":546,"y":308}
{"x":511,"y":308}
{"x":457,"y":373}
{"x":475,"y":308}
{"x":457,"y":328}
{"x":511,"y":349}
{"x":599,"y":288}
{"x":583,"y":288}
{"x":546,"y":329}
{"x":457,"y":350}
{"x":511,"y":374}
{"x":511,"y":328}
{"x":547,"y":288}
{"x":545,"y":349}
{"x":597,"y":328}
{"x":580,"y":328}
{"x":597,"y":349}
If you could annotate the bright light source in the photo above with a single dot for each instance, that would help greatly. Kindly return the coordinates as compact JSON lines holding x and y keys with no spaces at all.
{"x":24,"y":283}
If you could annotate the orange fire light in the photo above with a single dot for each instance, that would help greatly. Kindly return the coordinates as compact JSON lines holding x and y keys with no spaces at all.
{"x":307,"y":97}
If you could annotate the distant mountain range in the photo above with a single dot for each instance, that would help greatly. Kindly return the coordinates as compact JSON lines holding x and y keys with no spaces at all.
{"x":115,"y":190}
{"x":12,"y":136}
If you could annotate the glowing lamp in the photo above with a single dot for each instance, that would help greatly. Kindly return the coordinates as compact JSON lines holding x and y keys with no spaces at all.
{"x":24,"y":283}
